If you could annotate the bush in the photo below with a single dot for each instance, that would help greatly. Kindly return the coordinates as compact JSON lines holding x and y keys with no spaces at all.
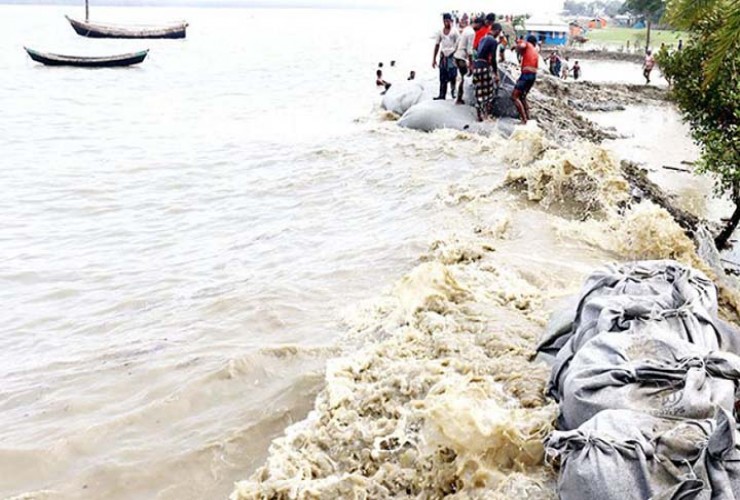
{"x":711,"y":106}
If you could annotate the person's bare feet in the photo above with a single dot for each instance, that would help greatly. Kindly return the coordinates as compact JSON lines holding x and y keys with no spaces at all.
{"x":459,"y":102}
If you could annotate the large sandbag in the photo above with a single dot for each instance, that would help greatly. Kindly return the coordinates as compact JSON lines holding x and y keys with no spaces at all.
{"x":627,"y":455}
{"x":662,"y":278}
{"x":612,"y":457}
{"x":433,"y":115}
{"x":653,"y":371}
{"x":631,"y":296}
{"x":633,"y":315}
{"x":400,"y":97}
{"x":655,"y":277}
{"x":503,"y":104}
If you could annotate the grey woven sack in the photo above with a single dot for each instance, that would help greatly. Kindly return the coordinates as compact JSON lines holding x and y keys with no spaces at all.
{"x":674,"y":283}
{"x":653,"y":372}
{"x":628,"y":455}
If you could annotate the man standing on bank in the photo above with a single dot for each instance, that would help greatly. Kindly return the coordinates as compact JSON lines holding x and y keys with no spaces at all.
{"x":530,"y":62}
{"x":445,"y":48}
{"x":485,"y":74}
{"x":485,"y":29}
{"x":464,"y":53}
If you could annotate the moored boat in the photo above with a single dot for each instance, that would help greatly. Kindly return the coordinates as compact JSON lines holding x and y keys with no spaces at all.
{"x":87,"y":61}
{"x":97,"y":30}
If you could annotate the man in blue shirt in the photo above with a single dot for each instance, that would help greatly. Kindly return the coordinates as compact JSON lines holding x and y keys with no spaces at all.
{"x":485,"y":72}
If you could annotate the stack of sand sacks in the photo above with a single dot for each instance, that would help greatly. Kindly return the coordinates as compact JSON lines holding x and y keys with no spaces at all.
{"x":646,"y":376}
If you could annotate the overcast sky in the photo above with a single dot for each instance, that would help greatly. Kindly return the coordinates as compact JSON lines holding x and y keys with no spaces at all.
{"x":492,"y":5}
{"x":498,"y":6}
{"x":536,"y":7}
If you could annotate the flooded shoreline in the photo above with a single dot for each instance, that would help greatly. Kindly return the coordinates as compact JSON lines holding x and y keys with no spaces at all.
{"x":445,"y":400}
{"x":186,"y":279}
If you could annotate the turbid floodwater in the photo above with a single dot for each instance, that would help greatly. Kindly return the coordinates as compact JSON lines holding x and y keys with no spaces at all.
{"x":186,"y":243}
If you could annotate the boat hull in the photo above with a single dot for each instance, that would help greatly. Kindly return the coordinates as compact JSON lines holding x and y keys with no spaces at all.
{"x":94,"y":30}
{"x":87,"y":62}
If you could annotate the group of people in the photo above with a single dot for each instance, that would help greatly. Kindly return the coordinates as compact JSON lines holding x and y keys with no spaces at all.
{"x":476,"y":48}
{"x":560,"y":67}
{"x":380,"y":79}
{"x":472,"y":15}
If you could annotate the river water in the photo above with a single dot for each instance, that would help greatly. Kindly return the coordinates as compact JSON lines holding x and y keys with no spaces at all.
{"x":182,"y":242}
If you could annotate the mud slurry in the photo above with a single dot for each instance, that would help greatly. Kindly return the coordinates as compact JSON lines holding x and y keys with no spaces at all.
{"x":443,"y":399}
{"x":438,"y":407}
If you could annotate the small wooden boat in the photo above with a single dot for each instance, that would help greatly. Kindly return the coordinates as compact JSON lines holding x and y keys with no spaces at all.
{"x":87,"y":62}
{"x":95,"y":30}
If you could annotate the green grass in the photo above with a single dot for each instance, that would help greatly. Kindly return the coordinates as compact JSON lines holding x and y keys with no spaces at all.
{"x":620,"y":36}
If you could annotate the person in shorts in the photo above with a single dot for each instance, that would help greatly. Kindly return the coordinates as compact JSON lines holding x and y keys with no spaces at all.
{"x":530,"y":62}
{"x":565,"y":70}
{"x":648,"y":66}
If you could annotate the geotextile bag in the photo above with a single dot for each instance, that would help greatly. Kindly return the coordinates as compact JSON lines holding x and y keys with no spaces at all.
{"x":628,"y":297}
{"x":641,"y":363}
{"x":428,"y":116}
{"x":502,"y":105}
{"x":653,"y":372}
{"x":672,"y":282}
{"x":633,"y":315}
{"x":628,"y":455}
{"x":401,"y":96}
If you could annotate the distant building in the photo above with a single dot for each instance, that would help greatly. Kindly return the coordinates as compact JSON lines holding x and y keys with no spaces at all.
{"x":553,"y":32}
{"x":597,"y":23}
{"x":577,"y":32}
{"x":624,"y":20}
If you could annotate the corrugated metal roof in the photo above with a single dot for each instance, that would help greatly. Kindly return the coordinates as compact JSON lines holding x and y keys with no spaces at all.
{"x":560,"y":28}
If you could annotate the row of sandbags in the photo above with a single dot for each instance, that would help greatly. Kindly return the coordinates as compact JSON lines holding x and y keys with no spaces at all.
{"x":646,"y":376}
{"x":413,"y":102}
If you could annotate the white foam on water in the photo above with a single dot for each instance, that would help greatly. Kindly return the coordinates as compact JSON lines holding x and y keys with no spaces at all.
{"x":443,"y":399}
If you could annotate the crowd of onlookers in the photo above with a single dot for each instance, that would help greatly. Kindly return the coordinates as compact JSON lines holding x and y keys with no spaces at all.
{"x":474,"y":45}
{"x":560,"y":67}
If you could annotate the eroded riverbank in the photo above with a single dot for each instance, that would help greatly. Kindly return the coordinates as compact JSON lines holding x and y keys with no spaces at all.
{"x":443,"y":398}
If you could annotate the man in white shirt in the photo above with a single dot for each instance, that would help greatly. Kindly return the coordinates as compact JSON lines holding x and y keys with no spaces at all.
{"x":445,"y":48}
{"x":464,"y":54}
{"x":565,"y":69}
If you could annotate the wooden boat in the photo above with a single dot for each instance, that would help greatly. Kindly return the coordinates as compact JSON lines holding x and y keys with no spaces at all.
{"x":87,"y":62}
{"x":95,"y":30}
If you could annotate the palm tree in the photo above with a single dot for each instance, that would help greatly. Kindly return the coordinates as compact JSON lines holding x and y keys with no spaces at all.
{"x":685,"y":14}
